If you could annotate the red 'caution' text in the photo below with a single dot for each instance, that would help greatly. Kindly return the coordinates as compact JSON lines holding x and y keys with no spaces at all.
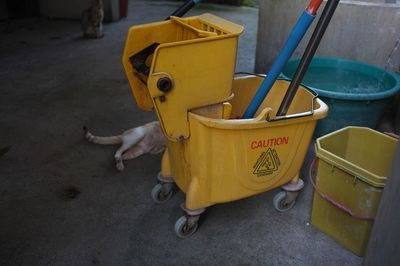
{"x":256,"y":144}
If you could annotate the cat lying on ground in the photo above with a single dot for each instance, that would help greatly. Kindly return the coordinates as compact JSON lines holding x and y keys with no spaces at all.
{"x":134,"y":142}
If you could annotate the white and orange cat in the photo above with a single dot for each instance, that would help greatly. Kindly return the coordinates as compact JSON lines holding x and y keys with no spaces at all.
{"x":134,"y":142}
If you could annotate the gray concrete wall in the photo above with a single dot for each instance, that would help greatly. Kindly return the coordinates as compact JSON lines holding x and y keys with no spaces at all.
{"x":72,"y":9}
{"x":359,"y":30}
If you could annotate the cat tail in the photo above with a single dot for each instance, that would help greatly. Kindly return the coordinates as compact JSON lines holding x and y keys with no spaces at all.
{"x":102,"y":140}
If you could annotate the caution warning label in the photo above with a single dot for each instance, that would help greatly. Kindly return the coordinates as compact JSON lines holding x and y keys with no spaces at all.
{"x":267,"y":163}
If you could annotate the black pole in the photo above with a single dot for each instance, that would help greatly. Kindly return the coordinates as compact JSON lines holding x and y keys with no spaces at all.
{"x":311,"y":48}
{"x":183,"y":9}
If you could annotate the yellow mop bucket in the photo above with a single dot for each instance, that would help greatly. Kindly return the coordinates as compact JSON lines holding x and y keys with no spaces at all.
{"x":213,"y":155}
{"x":229,"y":159}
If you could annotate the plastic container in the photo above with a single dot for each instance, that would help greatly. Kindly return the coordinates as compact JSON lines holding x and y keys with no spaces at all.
{"x":229,"y":159}
{"x":356,"y":93}
{"x":214,"y":156}
{"x":196,"y":54}
{"x":352,"y":169}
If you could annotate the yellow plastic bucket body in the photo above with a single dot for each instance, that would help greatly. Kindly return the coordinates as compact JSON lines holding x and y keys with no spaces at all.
{"x":225,"y":160}
{"x":352,"y":169}
{"x":198,"y":54}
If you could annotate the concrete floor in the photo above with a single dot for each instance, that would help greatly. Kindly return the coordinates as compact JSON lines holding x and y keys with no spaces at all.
{"x":63,"y":203}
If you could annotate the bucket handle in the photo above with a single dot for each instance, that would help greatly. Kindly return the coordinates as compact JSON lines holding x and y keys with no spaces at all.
{"x":336,"y":203}
{"x":304,"y":114}
{"x":284,"y":117}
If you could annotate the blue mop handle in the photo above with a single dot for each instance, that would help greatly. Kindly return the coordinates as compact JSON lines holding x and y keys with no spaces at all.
{"x":303,"y":23}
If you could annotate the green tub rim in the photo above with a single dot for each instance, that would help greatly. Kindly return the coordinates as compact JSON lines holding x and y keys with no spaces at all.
{"x":349,"y":96}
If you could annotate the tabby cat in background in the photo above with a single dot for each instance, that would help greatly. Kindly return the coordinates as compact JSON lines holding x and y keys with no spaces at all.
{"x":92,"y":20}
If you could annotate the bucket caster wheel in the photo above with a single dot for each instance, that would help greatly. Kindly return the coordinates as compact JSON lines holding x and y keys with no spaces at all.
{"x":284,"y":200}
{"x":186,"y":226}
{"x":162,"y":192}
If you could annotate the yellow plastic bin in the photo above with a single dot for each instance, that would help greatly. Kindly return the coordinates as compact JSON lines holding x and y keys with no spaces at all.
{"x":352,"y":169}
{"x":229,"y":159}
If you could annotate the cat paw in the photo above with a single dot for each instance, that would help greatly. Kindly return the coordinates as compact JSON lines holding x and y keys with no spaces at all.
{"x":119,"y":165}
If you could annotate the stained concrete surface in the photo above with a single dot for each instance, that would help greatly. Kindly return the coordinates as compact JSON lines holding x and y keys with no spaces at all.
{"x":61,"y":200}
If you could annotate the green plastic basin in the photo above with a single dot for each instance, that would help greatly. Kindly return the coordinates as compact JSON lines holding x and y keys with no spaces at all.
{"x":355,"y":92}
